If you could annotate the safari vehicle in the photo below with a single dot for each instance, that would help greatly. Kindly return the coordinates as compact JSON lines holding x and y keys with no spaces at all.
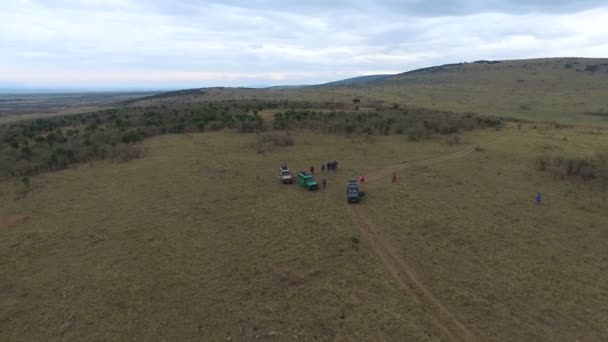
{"x":353,"y":195}
{"x":285,"y":174}
{"x":307,"y":181}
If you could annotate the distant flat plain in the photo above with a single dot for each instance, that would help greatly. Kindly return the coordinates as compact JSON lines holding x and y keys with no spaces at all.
{"x":15,"y":107}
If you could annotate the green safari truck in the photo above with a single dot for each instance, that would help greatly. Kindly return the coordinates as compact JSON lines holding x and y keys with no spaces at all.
{"x":307,"y":181}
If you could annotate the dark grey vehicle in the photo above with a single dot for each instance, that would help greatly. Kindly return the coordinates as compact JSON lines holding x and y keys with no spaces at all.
{"x":353,"y":195}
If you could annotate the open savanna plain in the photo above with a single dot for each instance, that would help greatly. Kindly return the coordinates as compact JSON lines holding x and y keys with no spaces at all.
{"x":17,"y":107}
{"x":199,"y":241}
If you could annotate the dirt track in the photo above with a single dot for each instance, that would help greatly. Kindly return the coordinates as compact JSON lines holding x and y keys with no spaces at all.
{"x":405,"y":276}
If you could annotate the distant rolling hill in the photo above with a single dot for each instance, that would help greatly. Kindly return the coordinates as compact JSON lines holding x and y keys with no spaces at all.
{"x":357,"y":80}
{"x":564,"y":89}
{"x":561,"y":89}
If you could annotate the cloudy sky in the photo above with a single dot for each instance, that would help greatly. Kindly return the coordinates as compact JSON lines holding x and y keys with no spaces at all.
{"x":103,"y":44}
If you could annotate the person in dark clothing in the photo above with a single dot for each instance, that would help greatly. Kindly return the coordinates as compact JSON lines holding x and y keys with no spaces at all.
{"x":322,"y":167}
{"x":336,"y":165}
{"x":312,"y":170}
{"x":324,"y":182}
{"x":539,"y":198}
{"x":328,"y":166}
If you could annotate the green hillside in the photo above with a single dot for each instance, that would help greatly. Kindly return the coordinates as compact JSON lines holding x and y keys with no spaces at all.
{"x":563,"y":89}
{"x":556,"y":89}
{"x":357,"y":80}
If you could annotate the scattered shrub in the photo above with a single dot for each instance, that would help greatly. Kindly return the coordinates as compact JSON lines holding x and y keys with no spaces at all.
{"x":215,"y":125}
{"x":453,"y":139}
{"x":586,"y":168}
{"x":543,"y":162}
{"x":276,"y":139}
{"x":124,"y":153}
{"x":26,"y":182}
{"x":131,"y":136}
{"x":592,"y":68}
{"x":413,"y":134}
{"x":248,"y":126}
{"x":48,"y":144}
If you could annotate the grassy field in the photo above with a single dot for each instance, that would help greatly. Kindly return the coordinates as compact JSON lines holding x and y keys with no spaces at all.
{"x":560,"y":89}
{"x":199,"y":240}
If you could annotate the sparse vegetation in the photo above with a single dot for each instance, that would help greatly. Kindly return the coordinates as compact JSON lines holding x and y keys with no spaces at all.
{"x":266,"y":141}
{"x":417,"y":124}
{"x":42,"y":145}
{"x":453,"y":139}
{"x":276,"y":139}
{"x":587,"y":169}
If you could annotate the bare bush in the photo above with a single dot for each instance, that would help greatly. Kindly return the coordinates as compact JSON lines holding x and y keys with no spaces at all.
{"x":453,"y":139}
{"x":124,"y":153}
{"x":276,"y":139}
{"x":215,"y":125}
{"x":587,"y":169}
{"x":248,"y":126}
{"x":266,"y":141}
{"x":587,"y":173}
{"x":543,"y":162}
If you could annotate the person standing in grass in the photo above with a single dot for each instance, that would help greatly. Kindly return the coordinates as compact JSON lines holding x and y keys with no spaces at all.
{"x":539,"y":198}
{"x":322,"y":167}
{"x":394,"y":177}
{"x":324,"y":182}
{"x":312,"y":169}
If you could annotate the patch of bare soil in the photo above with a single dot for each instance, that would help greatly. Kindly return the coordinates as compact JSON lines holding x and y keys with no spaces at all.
{"x":11,"y":221}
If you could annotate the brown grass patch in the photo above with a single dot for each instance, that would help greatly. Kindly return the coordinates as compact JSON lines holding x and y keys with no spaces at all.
{"x":11,"y":221}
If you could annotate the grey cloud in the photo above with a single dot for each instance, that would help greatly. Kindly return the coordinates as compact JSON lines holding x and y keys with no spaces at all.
{"x":410,"y":7}
{"x":276,"y":42}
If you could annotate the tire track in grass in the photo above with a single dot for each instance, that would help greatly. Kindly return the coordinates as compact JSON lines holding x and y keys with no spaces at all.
{"x":406,"y":277}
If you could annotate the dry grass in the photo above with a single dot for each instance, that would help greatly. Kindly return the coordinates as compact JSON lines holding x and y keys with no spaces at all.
{"x":197,"y":239}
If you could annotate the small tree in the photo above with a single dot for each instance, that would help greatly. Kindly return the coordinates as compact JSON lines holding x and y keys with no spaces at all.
{"x":26,"y":153}
{"x":131,"y":136}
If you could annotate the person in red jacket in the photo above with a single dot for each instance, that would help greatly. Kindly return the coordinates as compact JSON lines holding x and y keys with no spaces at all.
{"x":312,"y":169}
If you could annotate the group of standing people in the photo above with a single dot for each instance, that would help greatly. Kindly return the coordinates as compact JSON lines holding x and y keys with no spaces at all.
{"x":330,"y":166}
